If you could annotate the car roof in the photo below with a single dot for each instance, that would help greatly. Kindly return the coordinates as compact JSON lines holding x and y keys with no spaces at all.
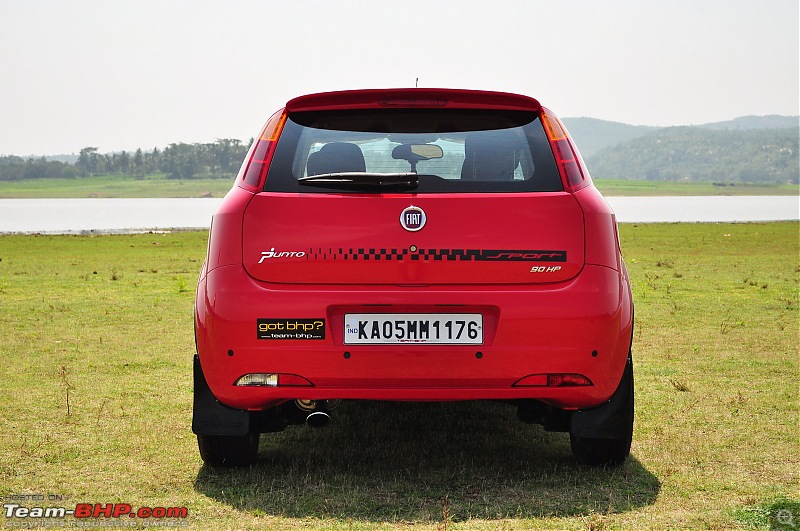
{"x":412,"y":98}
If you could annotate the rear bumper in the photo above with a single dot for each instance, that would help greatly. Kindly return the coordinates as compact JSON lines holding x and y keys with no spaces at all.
{"x":578,"y":327}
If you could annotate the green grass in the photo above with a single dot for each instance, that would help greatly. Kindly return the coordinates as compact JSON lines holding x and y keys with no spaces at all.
{"x":95,"y":395}
{"x":619,"y":187}
{"x":160,"y":186}
{"x":115,"y":186}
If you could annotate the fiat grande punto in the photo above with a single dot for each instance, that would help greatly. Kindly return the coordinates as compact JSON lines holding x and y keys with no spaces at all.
{"x":413,"y":245}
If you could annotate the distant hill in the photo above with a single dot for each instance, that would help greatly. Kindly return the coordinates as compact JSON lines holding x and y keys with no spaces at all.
{"x":756,"y":149}
{"x":591,"y":135}
{"x":743,"y":123}
{"x":754,"y":155}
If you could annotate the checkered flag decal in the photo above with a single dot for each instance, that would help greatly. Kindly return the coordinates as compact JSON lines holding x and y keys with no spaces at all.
{"x":358,"y":254}
{"x":462,"y":255}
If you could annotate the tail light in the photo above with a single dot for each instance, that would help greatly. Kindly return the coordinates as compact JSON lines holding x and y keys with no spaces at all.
{"x":256,"y":165}
{"x":553,"y":380}
{"x":570,"y":164}
{"x":259,"y":379}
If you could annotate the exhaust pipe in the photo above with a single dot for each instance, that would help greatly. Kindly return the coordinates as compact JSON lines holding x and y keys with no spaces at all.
{"x":318,"y":419}
{"x":315,"y":405}
{"x":318,"y":411}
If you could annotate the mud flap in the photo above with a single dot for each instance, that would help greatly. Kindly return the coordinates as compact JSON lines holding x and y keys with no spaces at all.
{"x":612,"y":420}
{"x":209,"y":417}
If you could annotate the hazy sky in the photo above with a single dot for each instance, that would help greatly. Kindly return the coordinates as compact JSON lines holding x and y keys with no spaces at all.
{"x":145,"y":73}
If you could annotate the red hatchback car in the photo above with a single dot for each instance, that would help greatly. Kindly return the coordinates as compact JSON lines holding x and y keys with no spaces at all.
{"x":413,"y":245}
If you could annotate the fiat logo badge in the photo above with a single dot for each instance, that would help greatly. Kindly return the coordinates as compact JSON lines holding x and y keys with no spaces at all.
{"x":413,"y":218}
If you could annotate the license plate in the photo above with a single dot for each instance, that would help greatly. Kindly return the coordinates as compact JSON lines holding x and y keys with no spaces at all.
{"x":417,"y":328}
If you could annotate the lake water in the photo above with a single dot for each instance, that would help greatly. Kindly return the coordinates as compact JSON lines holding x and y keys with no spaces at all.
{"x":59,"y":216}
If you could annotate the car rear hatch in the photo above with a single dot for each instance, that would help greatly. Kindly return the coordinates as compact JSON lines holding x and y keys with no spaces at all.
{"x":466,"y":239}
{"x":413,"y":187}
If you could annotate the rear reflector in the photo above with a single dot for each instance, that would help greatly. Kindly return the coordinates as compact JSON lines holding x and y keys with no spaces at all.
{"x":567,"y":380}
{"x":553,"y":380}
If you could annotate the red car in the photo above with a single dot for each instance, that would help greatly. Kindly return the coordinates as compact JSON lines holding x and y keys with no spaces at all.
{"x":413,"y":245}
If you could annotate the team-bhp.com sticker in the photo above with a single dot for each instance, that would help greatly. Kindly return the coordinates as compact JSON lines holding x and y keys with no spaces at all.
{"x":87,"y":511}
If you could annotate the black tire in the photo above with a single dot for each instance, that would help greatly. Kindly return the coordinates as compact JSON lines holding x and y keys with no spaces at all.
{"x":227,"y":450}
{"x":600,"y":452}
{"x":609,"y":451}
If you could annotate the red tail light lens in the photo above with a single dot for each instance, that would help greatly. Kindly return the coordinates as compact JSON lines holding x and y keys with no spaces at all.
{"x":570,"y":164}
{"x":252,"y":176}
{"x":567,"y":380}
{"x":553,"y":380}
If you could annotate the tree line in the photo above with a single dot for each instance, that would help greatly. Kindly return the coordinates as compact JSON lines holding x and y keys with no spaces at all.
{"x":220,"y":159}
{"x":669,"y":154}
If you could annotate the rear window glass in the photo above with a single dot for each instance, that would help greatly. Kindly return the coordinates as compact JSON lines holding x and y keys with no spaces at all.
{"x":448,"y":150}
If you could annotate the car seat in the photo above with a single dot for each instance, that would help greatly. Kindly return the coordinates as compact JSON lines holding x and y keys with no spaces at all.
{"x":336,"y":157}
{"x":490,"y":156}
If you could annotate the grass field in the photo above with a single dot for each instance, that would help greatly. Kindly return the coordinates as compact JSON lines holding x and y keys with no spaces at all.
{"x":160,"y":186}
{"x":95,"y":403}
{"x":115,"y":186}
{"x":618,"y":187}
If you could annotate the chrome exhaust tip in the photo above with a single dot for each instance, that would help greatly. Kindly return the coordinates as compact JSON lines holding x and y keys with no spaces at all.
{"x":318,"y":419}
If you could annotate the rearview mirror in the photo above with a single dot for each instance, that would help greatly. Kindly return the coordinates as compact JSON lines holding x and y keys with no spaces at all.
{"x":427,"y":151}
{"x":417,"y":152}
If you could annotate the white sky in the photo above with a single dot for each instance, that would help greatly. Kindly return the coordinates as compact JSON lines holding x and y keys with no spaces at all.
{"x":145,"y":73}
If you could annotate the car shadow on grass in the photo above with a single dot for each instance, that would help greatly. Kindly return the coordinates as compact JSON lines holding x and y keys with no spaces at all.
{"x":387,"y":462}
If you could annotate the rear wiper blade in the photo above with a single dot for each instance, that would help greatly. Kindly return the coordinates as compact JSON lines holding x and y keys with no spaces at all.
{"x":362,"y":177}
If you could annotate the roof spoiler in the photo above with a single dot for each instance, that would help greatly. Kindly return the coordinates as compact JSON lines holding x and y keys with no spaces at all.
{"x":412,"y":98}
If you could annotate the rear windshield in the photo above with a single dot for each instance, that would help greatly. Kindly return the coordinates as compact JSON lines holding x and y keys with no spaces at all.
{"x":442,"y":150}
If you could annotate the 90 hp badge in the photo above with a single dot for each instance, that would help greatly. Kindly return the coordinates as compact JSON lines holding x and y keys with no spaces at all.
{"x":413,"y":218}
